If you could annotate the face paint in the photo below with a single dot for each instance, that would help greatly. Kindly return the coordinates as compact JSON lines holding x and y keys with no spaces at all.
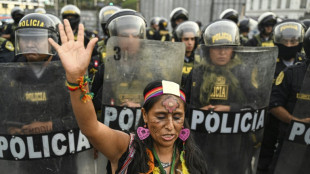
{"x":170,"y":104}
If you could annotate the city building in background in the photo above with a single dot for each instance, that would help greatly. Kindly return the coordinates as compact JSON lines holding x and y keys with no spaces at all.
{"x":291,"y":9}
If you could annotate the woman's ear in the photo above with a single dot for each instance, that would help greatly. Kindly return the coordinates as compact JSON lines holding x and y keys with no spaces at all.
{"x":144,"y":115}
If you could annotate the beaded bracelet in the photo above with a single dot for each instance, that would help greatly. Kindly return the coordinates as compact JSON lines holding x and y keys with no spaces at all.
{"x":82,"y":82}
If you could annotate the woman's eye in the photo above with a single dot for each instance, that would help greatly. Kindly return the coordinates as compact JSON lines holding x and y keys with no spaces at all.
{"x":160,"y":117}
{"x":176,"y":117}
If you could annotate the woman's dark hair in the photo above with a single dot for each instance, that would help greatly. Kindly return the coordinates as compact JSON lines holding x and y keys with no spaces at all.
{"x":193,"y":156}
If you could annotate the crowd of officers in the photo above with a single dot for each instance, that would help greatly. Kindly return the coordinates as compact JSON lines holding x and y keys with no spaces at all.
{"x":269,"y":30}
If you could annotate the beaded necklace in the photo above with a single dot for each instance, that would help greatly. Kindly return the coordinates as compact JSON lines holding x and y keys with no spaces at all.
{"x":162,"y":171}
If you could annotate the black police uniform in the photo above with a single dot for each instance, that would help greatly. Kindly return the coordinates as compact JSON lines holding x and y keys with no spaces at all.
{"x":6,"y":51}
{"x":10,"y":29}
{"x":284,"y":92}
{"x":187,"y":67}
{"x":272,"y":124}
{"x":258,"y":40}
{"x":150,"y":33}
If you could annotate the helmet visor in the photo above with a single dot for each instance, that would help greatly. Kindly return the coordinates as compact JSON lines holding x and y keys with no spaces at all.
{"x":34,"y":41}
{"x":288,"y":32}
{"x":127,"y":26}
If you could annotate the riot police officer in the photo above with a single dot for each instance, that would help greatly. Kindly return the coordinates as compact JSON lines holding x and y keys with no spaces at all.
{"x":17,"y":13}
{"x":153,"y":29}
{"x":163,"y":33}
{"x":177,"y":16}
{"x":188,"y":32}
{"x":266,"y":22}
{"x":104,"y":14}
{"x":219,"y":54}
{"x":288,"y":37}
{"x":284,"y":96}
{"x":73,"y":14}
{"x":223,"y":81}
{"x":123,"y":23}
{"x":230,"y":14}
{"x":39,"y":113}
{"x":244,"y":29}
{"x":97,"y":59}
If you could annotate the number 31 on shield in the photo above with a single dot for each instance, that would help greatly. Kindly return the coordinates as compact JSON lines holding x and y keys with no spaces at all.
{"x":117,"y":55}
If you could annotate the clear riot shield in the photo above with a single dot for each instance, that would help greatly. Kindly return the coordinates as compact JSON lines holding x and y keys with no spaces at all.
{"x":130,"y":65}
{"x":38,"y":132}
{"x":294,"y":156}
{"x":230,"y":92}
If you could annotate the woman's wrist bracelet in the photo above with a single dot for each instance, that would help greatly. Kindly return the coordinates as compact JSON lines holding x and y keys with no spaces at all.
{"x":82,"y":83}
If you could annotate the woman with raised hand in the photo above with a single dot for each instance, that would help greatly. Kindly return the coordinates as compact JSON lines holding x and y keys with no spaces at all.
{"x":163,"y":143}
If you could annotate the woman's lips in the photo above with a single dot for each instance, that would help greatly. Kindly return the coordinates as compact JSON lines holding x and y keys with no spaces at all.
{"x":168,"y":137}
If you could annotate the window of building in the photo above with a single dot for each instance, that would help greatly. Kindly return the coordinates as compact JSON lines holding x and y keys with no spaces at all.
{"x":269,"y":4}
{"x":303,"y":3}
{"x":251,"y":5}
{"x":260,"y":5}
{"x":288,"y":3}
{"x":4,"y":5}
{"x":279,"y":4}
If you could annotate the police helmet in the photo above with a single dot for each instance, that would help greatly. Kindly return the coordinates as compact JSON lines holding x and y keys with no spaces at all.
{"x":40,"y":10}
{"x":55,"y":19}
{"x":187,"y":27}
{"x":230,"y":14}
{"x":306,"y":23}
{"x":163,"y":24}
{"x":244,"y":25}
{"x":221,"y":32}
{"x":72,"y":13}
{"x":17,"y":13}
{"x":289,"y":31}
{"x":155,"y":21}
{"x":126,"y":19}
{"x":306,"y":43}
{"x":266,"y":19}
{"x":105,"y":13}
{"x":35,"y":29}
{"x":178,"y":13}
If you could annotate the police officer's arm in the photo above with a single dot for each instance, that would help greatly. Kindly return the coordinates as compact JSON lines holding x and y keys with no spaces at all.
{"x":75,"y":59}
{"x":280,"y":96}
{"x":7,"y":32}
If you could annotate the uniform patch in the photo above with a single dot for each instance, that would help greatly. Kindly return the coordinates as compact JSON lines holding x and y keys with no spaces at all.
{"x":267,"y":44}
{"x":187,"y":69}
{"x":220,"y":90}
{"x":9,"y":46}
{"x":303,"y":96}
{"x":280,"y":78}
{"x":151,"y":32}
{"x":96,"y":63}
{"x":103,"y":54}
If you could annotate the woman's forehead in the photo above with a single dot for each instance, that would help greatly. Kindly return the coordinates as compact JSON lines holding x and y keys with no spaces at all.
{"x":170,"y":103}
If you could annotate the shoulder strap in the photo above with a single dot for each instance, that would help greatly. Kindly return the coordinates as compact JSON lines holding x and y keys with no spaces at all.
{"x":129,"y":157}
